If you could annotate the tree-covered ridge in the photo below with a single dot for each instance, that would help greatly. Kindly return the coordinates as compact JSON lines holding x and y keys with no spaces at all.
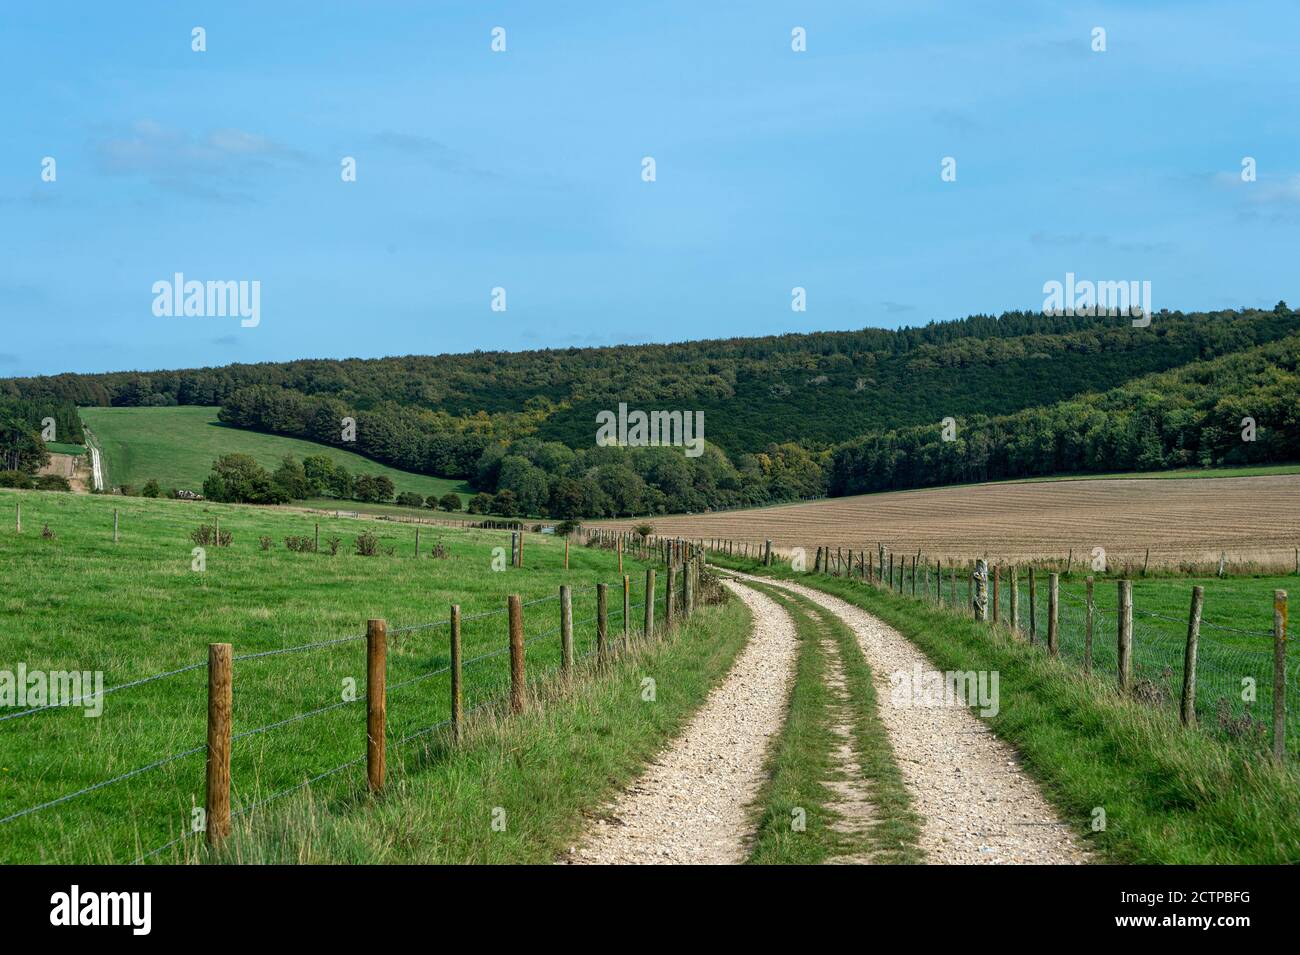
{"x":818,"y":389}
{"x":1198,"y":415}
{"x":786,"y":417}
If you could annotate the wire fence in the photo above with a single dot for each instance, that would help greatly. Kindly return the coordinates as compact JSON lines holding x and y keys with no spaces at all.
{"x":1235,"y":664}
{"x":417,"y":655}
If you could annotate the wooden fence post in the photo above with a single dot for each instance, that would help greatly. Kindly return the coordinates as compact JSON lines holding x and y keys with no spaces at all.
{"x":18,"y":518}
{"x":566,"y":553}
{"x":689,"y":589}
{"x":602,"y":621}
{"x":627,"y":609}
{"x":457,"y":715}
{"x":1014,"y":581}
{"x":913,"y":578}
{"x":217,"y":810}
{"x":979,"y":595}
{"x":1053,"y":610}
{"x":376,"y":701}
{"x":516,"y":606}
{"x":417,"y":541}
{"x":1124,"y":649}
{"x":566,"y":628}
{"x":1033,"y":605}
{"x":1279,"y":675}
{"x":649,"y":603}
{"x":1188,"y":709}
{"x":1089,"y":613}
{"x":115,"y":525}
{"x":767,"y":553}
{"x":670,"y":592}
{"x":620,"y":554}
{"x":521,"y":546}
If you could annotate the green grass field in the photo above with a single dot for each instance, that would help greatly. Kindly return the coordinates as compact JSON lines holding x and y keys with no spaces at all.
{"x":177,"y":446}
{"x":137,"y":608}
{"x":58,"y":447}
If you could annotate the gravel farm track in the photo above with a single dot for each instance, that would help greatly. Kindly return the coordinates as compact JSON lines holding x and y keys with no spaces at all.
{"x":1179,"y":519}
{"x":692,"y":803}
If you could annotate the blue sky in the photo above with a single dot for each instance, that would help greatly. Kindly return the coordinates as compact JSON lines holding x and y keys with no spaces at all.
{"x":522,"y":169}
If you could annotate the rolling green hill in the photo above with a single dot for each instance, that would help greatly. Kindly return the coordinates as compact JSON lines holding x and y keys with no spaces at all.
{"x":177,"y":446}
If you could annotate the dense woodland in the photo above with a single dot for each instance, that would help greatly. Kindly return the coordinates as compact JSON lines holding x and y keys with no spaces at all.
{"x":786,"y":417}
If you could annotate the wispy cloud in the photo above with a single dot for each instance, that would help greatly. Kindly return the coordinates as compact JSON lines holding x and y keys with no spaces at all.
{"x":1096,"y":241}
{"x":205,"y":166}
{"x":434,"y":152}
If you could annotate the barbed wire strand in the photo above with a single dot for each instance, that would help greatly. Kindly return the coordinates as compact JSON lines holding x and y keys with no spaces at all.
{"x":101,"y":785}
{"x":112,"y":689}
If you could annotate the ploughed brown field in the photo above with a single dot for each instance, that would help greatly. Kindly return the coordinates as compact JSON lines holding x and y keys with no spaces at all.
{"x":1253,"y":519}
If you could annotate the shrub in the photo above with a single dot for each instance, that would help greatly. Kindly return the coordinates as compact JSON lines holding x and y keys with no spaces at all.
{"x":644,"y":530}
{"x":52,"y":482}
{"x":449,"y":502}
{"x":19,"y":479}
{"x":151,"y":489}
{"x":480,"y":503}
{"x":410,"y":499}
{"x":300,"y":545}
{"x":334,"y":543}
{"x":266,"y":542}
{"x":367,"y":544}
{"x":47,"y":533}
{"x":565,"y":528}
{"x":206,"y":535}
{"x":439,"y":551}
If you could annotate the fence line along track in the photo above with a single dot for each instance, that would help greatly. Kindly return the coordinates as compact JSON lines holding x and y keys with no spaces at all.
{"x":684,"y":560}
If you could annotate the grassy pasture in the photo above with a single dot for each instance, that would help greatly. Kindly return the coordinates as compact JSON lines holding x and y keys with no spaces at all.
{"x":178,"y":445}
{"x":78,"y":601}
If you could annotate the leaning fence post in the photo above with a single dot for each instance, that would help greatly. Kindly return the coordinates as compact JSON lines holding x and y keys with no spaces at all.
{"x":1279,"y":675}
{"x":1089,"y":612}
{"x":1124,"y":649}
{"x":1053,"y":609}
{"x":602,"y":620}
{"x":980,"y":595}
{"x":376,"y":701}
{"x":217,"y":809}
{"x":649,"y":603}
{"x":1188,"y":710}
{"x":566,"y":627}
{"x":516,"y":607}
{"x":457,"y":716}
